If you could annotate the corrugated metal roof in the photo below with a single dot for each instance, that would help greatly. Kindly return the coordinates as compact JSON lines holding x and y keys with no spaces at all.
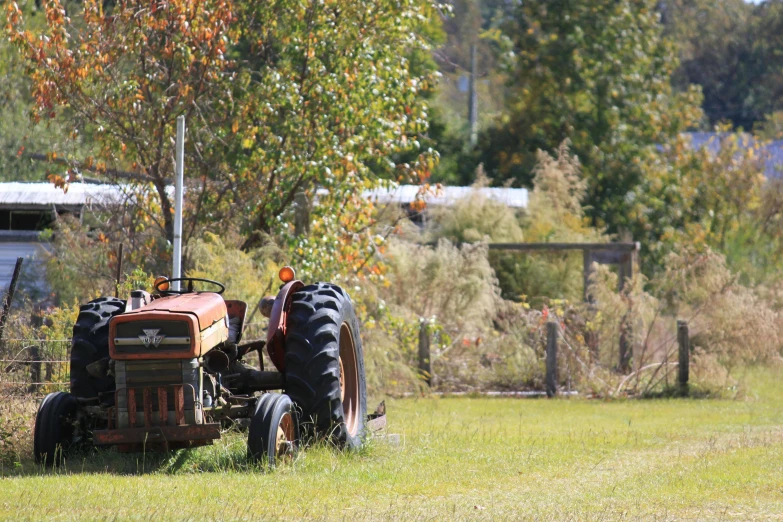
{"x":46,"y":194}
{"x":79,"y":194}
{"x":405,"y":194}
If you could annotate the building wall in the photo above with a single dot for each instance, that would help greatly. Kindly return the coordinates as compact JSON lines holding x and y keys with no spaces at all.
{"x":33,"y":269}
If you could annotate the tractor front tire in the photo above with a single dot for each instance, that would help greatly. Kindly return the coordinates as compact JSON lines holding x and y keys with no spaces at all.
{"x":274,"y":430}
{"x":324,"y":365}
{"x":90,"y":343}
{"x":58,"y":427}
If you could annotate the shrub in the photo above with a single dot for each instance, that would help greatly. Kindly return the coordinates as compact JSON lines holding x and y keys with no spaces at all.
{"x":510,"y":355}
{"x":450,"y":289}
{"x":84,"y":254}
{"x":452,"y":285}
{"x":554,"y":214}
{"x":730,"y":324}
{"x":17,"y":416}
{"x":248,"y":276}
{"x":476,"y":218}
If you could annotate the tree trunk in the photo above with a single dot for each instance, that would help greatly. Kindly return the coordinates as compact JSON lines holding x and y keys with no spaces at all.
{"x":255,"y":237}
{"x":167,"y":209}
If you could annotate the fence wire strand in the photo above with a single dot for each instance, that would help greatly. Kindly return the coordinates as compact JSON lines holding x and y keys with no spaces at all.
{"x":31,"y":368}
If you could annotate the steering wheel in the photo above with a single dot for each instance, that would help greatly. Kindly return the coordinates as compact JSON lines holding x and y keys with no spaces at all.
{"x":190,"y":281}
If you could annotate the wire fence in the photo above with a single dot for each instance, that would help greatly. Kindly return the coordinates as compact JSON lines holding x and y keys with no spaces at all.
{"x":34,"y":367}
{"x":31,"y":368}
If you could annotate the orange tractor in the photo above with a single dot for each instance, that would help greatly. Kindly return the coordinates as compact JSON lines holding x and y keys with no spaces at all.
{"x":168,"y":370}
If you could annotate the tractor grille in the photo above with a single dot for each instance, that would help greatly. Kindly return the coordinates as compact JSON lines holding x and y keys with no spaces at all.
{"x":145,"y":380}
{"x":173,"y":336}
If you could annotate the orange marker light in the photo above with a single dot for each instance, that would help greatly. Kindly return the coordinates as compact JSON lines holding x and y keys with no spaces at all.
{"x":287,"y":274}
{"x":163,"y":282}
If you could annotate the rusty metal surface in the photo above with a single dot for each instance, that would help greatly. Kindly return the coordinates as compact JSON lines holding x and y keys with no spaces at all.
{"x":207,"y":307}
{"x":132,"y":407}
{"x":158,"y":434}
{"x":147,"y":407}
{"x":230,"y":411}
{"x":237,"y":309}
{"x":205,"y":314}
{"x":163,"y":406}
{"x":349,"y":380}
{"x":275,"y":339}
{"x":187,"y":351}
{"x":148,"y":402}
{"x":179,"y":405}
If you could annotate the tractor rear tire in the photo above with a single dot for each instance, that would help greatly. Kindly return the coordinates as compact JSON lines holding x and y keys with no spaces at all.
{"x":274,"y":430}
{"x":90,"y":343}
{"x":58,"y":427}
{"x":324,"y":365}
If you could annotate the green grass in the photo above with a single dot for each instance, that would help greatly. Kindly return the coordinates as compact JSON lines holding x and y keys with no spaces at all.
{"x":459,"y":458}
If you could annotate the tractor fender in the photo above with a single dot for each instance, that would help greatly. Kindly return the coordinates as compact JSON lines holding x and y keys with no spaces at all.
{"x":275,"y":335}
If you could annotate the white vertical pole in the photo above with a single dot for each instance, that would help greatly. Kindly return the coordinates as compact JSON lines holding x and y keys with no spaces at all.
{"x":179,"y":165}
{"x":473,"y":99}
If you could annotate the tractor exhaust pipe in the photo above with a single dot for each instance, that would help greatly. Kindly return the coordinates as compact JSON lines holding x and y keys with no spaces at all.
{"x":176,"y":269}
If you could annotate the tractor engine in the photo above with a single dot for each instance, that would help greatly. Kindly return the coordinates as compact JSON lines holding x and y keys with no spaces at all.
{"x":156,"y":350}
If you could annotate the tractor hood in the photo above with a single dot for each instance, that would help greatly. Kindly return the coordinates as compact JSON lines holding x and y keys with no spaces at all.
{"x":207,"y":307}
{"x":173,"y":327}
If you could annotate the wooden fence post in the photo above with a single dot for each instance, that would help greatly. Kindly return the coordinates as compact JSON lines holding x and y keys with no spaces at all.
{"x":587,"y":270}
{"x":552,"y":330}
{"x":684,"y":342}
{"x":119,"y":272}
{"x":9,"y":297}
{"x":627,"y":264}
{"x":425,"y":364}
{"x":625,"y":347}
{"x":35,"y":368}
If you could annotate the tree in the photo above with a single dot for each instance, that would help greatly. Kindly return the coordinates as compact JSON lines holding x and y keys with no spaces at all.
{"x":765,"y":94}
{"x":719,"y":51}
{"x":331,"y":99}
{"x":124,"y":76}
{"x":714,"y":197}
{"x":281,"y":98}
{"x":469,"y":23}
{"x":733,"y":50}
{"x":17,"y":135}
{"x":598,"y":74}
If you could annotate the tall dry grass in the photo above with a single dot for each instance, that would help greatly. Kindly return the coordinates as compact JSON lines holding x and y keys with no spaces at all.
{"x":17,"y":417}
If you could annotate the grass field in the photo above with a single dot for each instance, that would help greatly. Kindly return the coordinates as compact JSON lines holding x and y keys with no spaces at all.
{"x":459,"y":459}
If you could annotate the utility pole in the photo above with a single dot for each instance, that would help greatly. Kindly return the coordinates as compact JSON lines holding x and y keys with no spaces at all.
{"x":473,"y":99}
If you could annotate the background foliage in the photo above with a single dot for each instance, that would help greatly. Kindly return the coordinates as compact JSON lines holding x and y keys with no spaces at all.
{"x":295,"y":108}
